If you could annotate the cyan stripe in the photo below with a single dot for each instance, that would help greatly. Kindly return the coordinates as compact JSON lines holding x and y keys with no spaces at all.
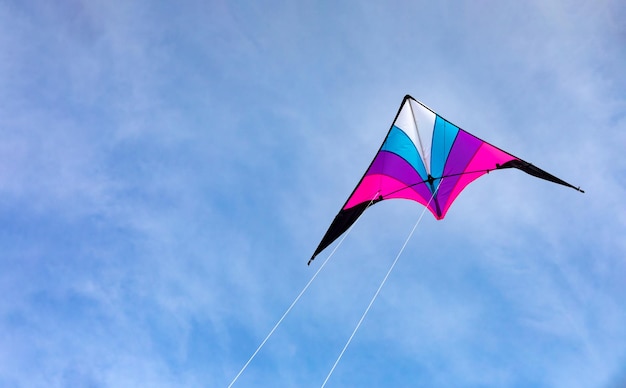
{"x":400,"y":144}
{"x":443,"y":138}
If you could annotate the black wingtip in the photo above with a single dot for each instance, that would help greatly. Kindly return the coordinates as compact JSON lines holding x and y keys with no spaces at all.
{"x":310,"y":260}
{"x":581,"y":190}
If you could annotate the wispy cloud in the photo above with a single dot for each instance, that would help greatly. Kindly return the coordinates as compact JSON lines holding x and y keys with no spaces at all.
{"x":166,"y":170}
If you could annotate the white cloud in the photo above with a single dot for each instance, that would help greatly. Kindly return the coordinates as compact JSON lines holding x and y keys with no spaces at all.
{"x":165,"y":172}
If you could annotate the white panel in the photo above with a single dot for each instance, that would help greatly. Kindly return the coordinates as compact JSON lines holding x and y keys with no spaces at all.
{"x":425,"y":122}
{"x":406,"y":123}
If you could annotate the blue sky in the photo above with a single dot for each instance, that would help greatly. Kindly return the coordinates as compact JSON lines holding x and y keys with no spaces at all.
{"x":166,"y":171}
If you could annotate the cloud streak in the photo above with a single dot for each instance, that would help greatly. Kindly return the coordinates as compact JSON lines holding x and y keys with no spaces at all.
{"x":165,"y":172}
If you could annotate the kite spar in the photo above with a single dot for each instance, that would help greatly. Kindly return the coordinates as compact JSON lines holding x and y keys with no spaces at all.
{"x":427,"y":159}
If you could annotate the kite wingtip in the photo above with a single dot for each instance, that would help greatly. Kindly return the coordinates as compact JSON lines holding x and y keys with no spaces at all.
{"x":310,"y":260}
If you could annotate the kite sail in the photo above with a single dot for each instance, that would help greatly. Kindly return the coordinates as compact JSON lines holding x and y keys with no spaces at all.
{"x":427,"y":159}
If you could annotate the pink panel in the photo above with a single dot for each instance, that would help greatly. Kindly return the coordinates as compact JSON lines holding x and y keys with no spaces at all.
{"x":373,"y":185}
{"x":486,"y":158}
{"x":456,"y":190}
{"x":368,"y":189}
{"x":409,"y":193}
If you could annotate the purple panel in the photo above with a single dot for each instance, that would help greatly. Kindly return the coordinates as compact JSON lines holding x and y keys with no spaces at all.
{"x":461,"y":154}
{"x":393,"y":166}
{"x":390,"y":164}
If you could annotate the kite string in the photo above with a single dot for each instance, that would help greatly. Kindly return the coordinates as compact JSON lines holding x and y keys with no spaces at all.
{"x":358,"y":325}
{"x":297,"y":298}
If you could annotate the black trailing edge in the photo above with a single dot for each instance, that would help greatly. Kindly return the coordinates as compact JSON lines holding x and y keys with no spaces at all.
{"x":341,"y":223}
{"x":537,"y":172}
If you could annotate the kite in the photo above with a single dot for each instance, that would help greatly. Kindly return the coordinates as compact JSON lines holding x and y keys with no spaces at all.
{"x":427,"y":159}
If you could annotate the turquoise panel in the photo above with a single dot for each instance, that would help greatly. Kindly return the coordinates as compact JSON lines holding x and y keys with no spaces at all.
{"x":443,"y":138}
{"x":400,"y":144}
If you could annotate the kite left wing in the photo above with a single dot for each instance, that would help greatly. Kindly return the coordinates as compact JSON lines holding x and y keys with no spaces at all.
{"x":427,"y":159}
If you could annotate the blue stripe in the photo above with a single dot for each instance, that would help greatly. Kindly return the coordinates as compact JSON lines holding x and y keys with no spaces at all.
{"x":443,"y":138}
{"x":400,"y":144}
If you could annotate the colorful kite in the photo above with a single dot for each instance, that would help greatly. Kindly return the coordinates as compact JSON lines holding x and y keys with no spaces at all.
{"x":427,"y":159}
